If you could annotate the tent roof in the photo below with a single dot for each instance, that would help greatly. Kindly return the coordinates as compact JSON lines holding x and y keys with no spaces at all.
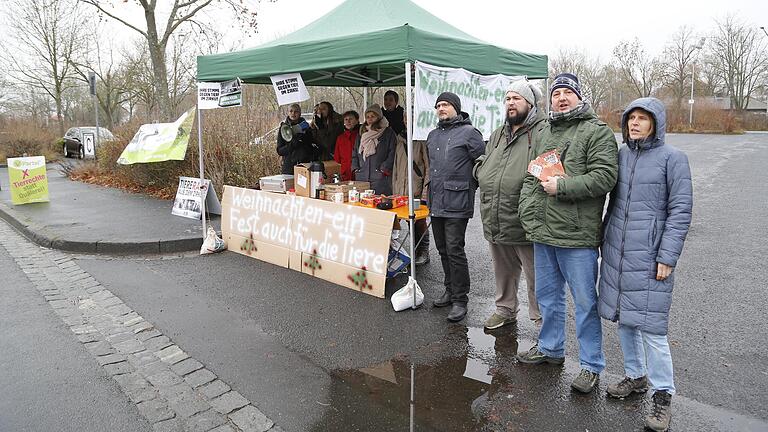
{"x":367,"y":42}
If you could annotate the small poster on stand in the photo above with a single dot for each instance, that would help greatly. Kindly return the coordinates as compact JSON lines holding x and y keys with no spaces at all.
{"x":28,"y":180}
{"x":188,"y":202}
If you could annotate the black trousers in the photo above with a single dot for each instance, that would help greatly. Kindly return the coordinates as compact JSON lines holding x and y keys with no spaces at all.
{"x":449,"y":239}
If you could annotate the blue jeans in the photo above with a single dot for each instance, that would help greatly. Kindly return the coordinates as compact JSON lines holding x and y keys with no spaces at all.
{"x":646,"y":353}
{"x":578,"y":267}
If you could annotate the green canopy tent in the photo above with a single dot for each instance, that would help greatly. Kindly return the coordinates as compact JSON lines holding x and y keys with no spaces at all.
{"x":368,"y":43}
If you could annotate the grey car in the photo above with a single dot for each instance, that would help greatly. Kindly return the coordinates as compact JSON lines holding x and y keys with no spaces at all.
{"x":75,"y":141}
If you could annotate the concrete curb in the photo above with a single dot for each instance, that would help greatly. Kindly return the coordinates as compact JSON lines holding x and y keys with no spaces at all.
{"x":39,"y":235}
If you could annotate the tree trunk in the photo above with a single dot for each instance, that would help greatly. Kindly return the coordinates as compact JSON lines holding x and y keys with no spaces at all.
{"x":159,"y":70}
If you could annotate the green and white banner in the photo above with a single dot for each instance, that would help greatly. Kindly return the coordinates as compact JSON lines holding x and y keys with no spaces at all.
{"x":482,"y":97}
{"x":28,"y":179}
{"x":159,"y":142}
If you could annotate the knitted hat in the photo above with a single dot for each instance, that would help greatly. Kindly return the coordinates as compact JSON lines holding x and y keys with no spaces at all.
{"x":566,"y":80}
{"x":451,"y":98}
{"x":526,"y":90}
{"x":376,"y":109}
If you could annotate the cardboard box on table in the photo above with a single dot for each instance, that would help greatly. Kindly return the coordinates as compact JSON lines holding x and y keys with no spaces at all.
{"x":343,"y":244}
{"x":344,"y":188}
{"x":302,"y":180}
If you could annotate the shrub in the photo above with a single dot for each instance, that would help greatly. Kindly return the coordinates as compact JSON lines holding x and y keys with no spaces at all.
{"x":231,"y":155}
{"x":23,"y":136}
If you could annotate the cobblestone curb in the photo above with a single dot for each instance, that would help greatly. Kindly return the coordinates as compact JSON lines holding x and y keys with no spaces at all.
{"x":173,"y":391}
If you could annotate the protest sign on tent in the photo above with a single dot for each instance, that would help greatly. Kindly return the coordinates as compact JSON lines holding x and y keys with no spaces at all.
{"x":289,"y":88}
{"x":211,"y":95}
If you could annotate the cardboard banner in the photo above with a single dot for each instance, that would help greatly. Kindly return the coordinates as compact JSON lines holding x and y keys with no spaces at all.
{"x":28,"y":180}
{"x":482,"y":97}
{"x":225,"y":94}
{"x":189,"y":198}
{"x":159,"y":142}
{"x":343,"y":244}
{"x":289,"y":88}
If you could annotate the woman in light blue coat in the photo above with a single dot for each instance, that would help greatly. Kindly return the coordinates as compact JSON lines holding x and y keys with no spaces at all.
{"x":645,"y":228}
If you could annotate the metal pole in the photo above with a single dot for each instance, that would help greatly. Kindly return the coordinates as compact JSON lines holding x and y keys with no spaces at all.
{"x":365,"y":100}
{"x":96,"y":109}
{"x":202,"y":166}
{"x":409,"y":140}
{"x":413,"y":394}
{"x":690,"y":102}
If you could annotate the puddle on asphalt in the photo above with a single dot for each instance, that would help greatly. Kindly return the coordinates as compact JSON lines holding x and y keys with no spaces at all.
{"x":469,"y":381}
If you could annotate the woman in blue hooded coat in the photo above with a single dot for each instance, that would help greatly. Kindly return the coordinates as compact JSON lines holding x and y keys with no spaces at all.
{"x":645,"y":228}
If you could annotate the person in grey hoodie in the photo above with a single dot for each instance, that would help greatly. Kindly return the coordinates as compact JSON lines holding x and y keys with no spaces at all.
{"x":645,"y":228}
{"x":453,"y":147}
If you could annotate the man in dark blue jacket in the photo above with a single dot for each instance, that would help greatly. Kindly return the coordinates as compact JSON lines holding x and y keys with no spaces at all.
{"x":453,"y":148}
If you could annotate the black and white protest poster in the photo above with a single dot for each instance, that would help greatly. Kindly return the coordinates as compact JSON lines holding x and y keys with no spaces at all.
{"x":188,"y":202}
{"x":289,"y":88}
{"x":225,"y":94}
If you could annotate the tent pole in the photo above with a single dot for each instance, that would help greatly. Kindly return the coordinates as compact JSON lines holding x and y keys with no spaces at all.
{"x":202,"y":165}
{"x":365,"y":100}
{"x":409,"y":143}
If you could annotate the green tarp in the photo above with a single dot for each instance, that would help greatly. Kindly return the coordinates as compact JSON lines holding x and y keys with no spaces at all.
{"x":367,"y":42}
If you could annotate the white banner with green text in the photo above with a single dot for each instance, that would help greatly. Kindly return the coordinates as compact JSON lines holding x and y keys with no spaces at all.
{"x":482,"y":97}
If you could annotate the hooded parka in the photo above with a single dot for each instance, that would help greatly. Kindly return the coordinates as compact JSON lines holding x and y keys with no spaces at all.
{"x":647,"y":222}
{"x":573,"y":217}
{"x":500,"y":173}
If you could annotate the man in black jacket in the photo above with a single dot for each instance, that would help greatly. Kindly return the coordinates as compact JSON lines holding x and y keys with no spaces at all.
{"x":453,"y":148}
{"x":394,"y":112}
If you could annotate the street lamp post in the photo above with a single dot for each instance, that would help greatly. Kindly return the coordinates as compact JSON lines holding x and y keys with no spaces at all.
{"x":766,"y":97}
{"x":693,"y":80}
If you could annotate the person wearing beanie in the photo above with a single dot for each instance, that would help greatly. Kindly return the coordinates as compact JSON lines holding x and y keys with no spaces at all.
{"x":568,"y":81}
{"x":452,"y":148}
{"x":500,"y":173}
{"x":655,"y":192}
{"x":374,"y":154}
{"x":562,"y":216}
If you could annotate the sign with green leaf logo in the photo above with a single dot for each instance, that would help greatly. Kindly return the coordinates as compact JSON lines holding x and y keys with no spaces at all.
{"x":28,"y":179}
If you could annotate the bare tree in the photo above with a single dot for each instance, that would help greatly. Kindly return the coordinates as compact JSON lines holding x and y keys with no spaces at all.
{"x":740,"y":58}
{"x":111,"y":77}
{"x":679,"y":55}
{"x":158,"y":32}
{"x":45,"y":37}
{"x":641,"y":71}
{"x":593,"y":74}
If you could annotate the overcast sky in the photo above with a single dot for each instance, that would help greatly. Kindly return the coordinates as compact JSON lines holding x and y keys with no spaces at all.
{"x":543,"y":27}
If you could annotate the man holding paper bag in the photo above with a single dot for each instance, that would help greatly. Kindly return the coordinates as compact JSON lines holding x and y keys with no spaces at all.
{"x":500,"y":173}
{"x":562,"y":216}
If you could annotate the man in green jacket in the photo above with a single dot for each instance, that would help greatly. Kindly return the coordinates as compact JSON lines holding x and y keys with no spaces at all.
{"x":562,"y":216}
{"x":500,"y":173}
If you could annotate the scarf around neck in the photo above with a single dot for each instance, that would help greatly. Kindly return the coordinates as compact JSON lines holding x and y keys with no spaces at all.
{"x":369,"y":139}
